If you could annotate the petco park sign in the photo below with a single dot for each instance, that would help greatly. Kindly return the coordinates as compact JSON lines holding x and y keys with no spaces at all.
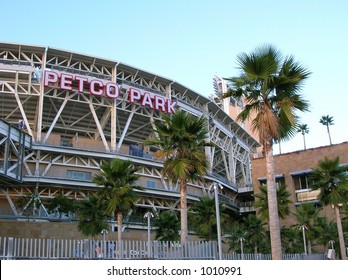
{"x":98,"y":87}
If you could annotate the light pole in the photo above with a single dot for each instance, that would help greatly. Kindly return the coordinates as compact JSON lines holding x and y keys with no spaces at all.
{"x":332,"y":244}
{"x":148,"y":215}
{"x":303,"y":228}
{"x":104,"y":232}
{"x":241,"y":239}
{"x":218,"y":226}
{"x":331,"y":253}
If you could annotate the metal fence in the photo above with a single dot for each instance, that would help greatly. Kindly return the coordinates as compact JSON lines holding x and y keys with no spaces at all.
{"x":235,"y":256}
{"x":60,"y":249}
{"x":33,"y":248}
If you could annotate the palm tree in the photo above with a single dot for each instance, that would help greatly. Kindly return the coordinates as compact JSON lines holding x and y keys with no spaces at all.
{"x":92,"y":216}
{"x":303,"y":128}
{"x":327,"y":121}
{"x":167,"y":226}
{"x":291,"y":240}
{"x":332,"y":181}
{"x":181,"y":141}
{"x":327,"y":232}
{"x":283,"y":202}
{"x":308,"y":215}
{"x":117,"y":181}
{"x":270,"y":85}
{"x":203,"y":218}
{"x":238,"y":231}
{"x":255,"y":233}
{"x":61,"y":205}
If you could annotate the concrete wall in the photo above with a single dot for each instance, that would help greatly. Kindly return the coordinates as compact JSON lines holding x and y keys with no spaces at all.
{"x":63,"y":230}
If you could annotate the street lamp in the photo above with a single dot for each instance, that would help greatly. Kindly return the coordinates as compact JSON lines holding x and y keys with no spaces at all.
{"x":104,"y":232}
{"x":332,"y":244}
{"x":331,"y":252}
{"x":217,"y":209}
{"x":148,"y":215}
{"x":303,"y":228}
{"x":241,"y":239}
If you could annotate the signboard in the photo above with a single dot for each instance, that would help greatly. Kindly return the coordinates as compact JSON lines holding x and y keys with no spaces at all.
{"x":97,"y":87}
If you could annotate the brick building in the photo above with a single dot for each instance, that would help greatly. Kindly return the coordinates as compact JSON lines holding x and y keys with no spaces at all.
{"x":293,"y":169}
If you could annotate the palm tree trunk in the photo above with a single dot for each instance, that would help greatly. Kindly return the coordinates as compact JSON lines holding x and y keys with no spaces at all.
{"x":340,"y":233}
{"x":274,"y":226}
{"x":280,"y":148}
{"x":119,"y":234}
{"x":304,"y":141}
{"x":183,"y":211}
{"x":328,"y":131}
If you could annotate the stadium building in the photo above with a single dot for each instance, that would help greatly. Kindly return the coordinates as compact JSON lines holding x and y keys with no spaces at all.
{"x":62,"y":113}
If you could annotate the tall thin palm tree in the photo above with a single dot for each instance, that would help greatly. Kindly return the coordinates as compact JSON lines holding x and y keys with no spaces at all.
{"x":327,"y":121}
{"x":270,"y":84}
{"x":117,"y":180}
{"x":332,"y":181}
{"x":303,"y":128}
{"x":181,"y":141}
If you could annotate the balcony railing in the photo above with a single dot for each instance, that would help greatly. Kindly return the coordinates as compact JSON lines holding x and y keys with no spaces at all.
{"x":307,"y":195}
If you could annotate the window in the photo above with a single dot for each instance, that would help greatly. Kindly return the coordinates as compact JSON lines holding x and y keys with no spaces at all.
{"x":150,"y":184}
{"x":307,"y":195}
{"x":79,"y":175}
{"x":136,"y":150}
{"x":66,"y":141}
{"x":279,"y":180}
{"x":303,"y":184}
{"x":302,"y":181}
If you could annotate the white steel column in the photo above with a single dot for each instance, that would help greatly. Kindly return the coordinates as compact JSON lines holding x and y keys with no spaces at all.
{"x":223,"y":153}
{"x":232,"y":161}
{"x":19,"y":103}
{"x":125,"y":129}
{"x":99,"y":126}
{"x":56,"y":118}
{"x":113,"y":128}
{"x":39,"y":108}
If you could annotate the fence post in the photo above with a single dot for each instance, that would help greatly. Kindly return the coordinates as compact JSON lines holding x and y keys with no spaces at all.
{"x":10,"y":248}
{"x":85,"y":248}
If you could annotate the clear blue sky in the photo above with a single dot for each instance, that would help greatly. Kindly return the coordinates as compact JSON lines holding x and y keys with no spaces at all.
{"x":191,"y":41}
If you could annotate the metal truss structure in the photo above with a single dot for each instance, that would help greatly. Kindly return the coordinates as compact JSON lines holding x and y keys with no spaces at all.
{"x":72,"y":132}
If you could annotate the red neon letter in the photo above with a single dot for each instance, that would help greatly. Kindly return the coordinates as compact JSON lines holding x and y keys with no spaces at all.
{"x":170,"y":106}
{"x":112,"y":90}
{"x":159,"y":103}
{"x":133,"y":94}
{"x":80,"y":82}
{"x":50,"y":78}
{"x":147,"y":101}
{"x":66,"y":81}
{"x":92,"y":87}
